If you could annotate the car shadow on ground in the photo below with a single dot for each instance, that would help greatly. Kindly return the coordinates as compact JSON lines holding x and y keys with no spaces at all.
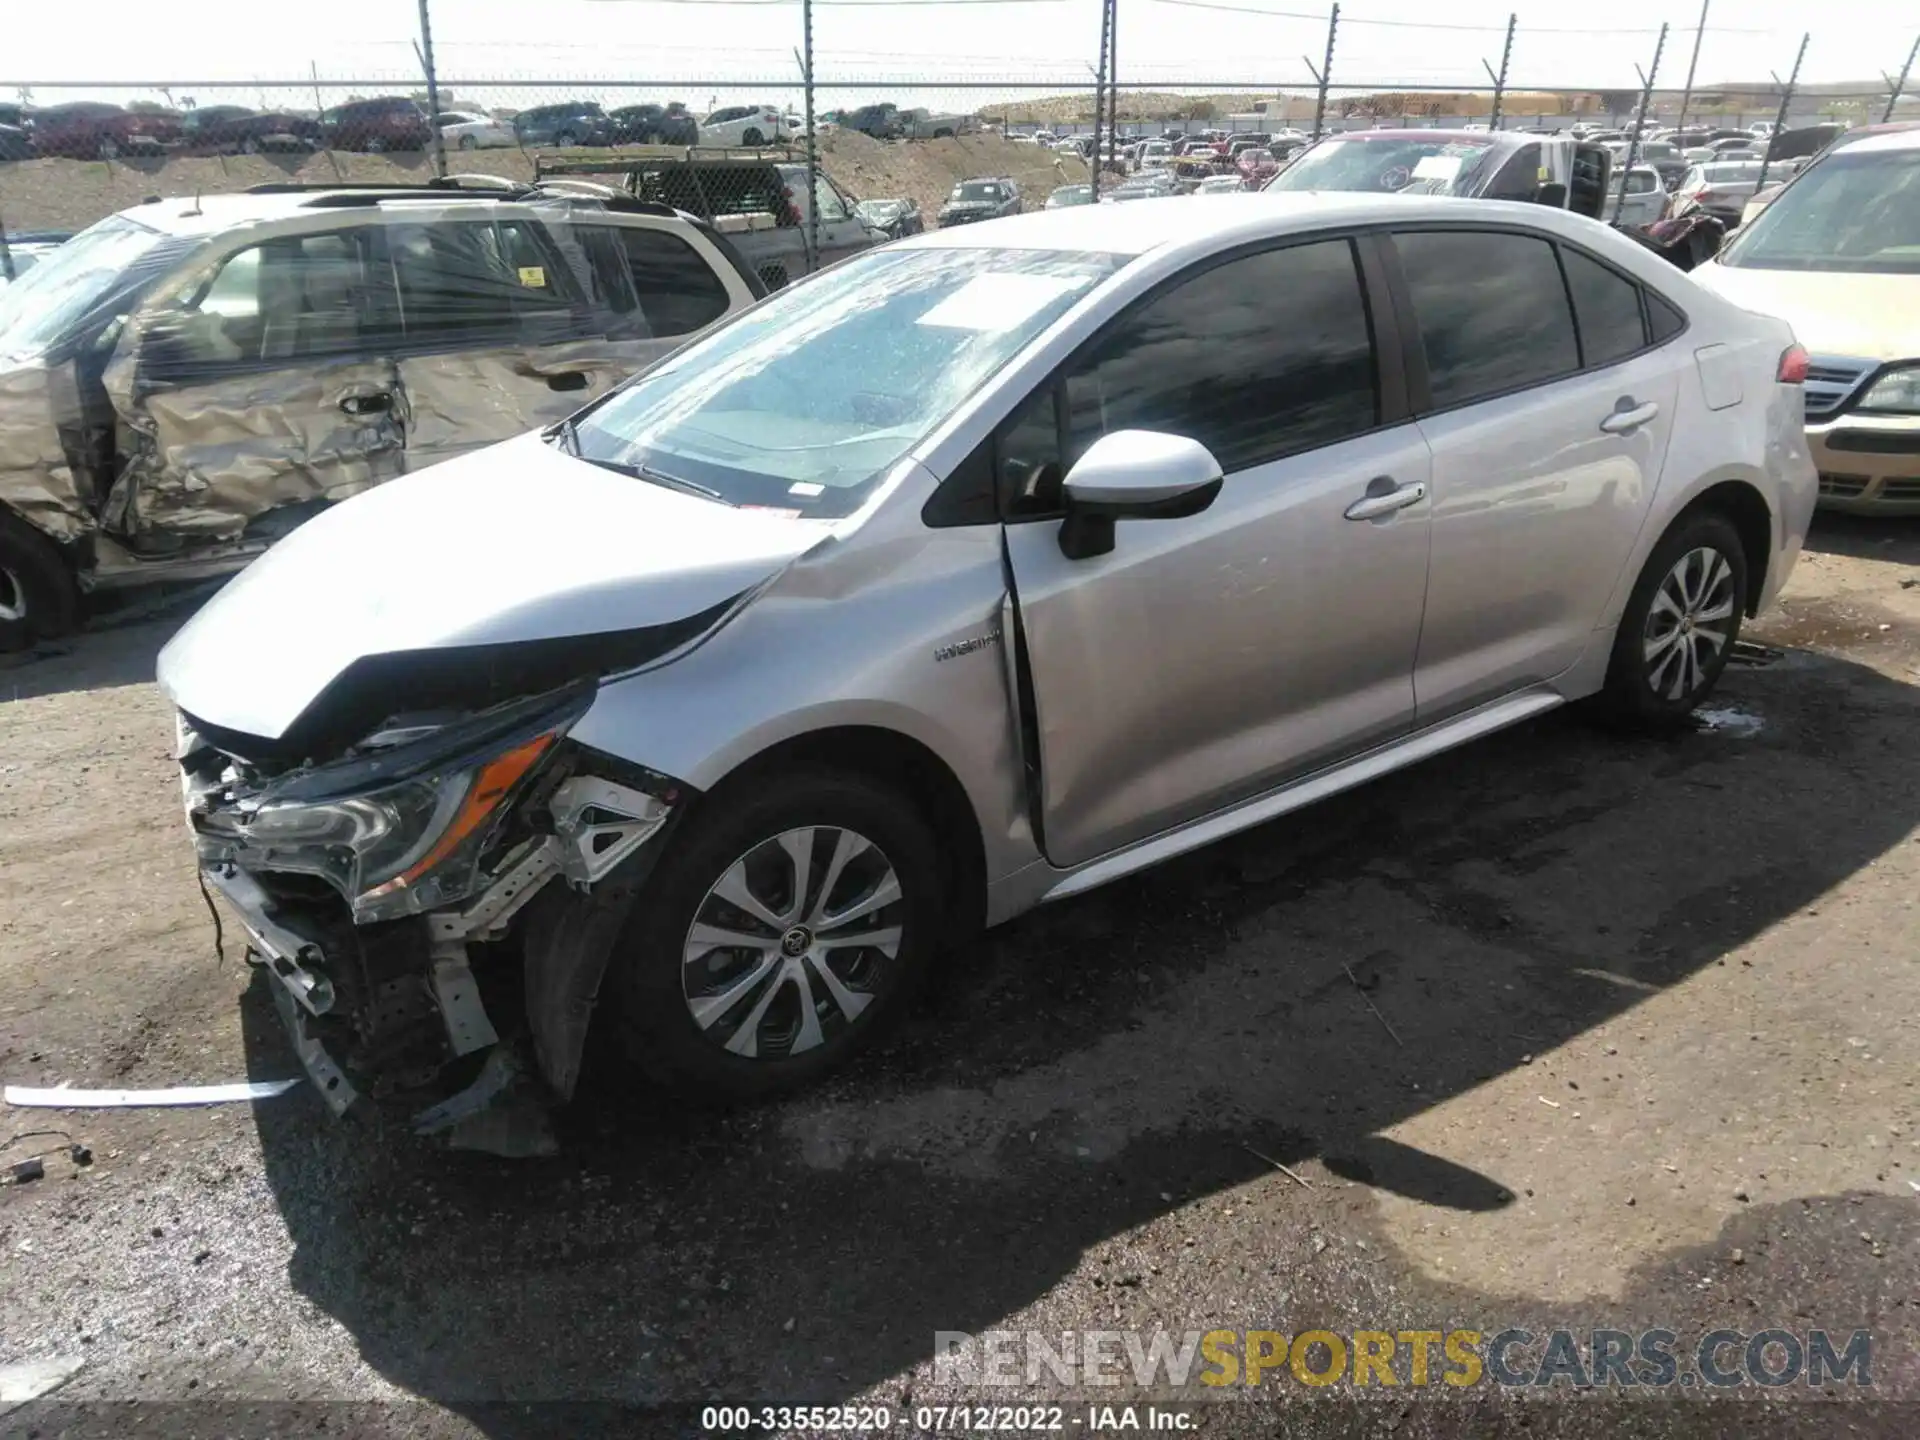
{"x":1866,"y":537}
{"x":119,"y":645}
{"x":1283,"y":996}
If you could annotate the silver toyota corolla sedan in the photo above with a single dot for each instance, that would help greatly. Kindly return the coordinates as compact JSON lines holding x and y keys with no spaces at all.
{"x":976,"y":572}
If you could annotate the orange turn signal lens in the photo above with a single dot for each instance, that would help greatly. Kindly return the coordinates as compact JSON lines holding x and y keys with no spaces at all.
{"x":492,"y":785}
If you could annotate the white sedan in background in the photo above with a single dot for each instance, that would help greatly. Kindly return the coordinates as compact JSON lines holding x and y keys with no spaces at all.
{"x":464,"y":130}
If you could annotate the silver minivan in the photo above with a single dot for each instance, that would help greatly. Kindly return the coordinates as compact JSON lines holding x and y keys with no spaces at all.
{"x":976,"y":572}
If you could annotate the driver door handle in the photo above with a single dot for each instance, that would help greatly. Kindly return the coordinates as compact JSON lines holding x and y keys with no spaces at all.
{"x":376,"y":404}
{"x":1626,"y":421}
{"x":1385,"y":502}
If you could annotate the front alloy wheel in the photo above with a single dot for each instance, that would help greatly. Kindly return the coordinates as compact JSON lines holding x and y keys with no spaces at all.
{"x":784,"y":927}
{"x":790,"y":944}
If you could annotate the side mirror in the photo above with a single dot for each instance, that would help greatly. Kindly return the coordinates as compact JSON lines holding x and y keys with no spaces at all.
{"x":1134,"y":475}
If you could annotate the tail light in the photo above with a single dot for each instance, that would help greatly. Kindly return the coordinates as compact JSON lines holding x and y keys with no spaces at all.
{"x":1793,"y":365}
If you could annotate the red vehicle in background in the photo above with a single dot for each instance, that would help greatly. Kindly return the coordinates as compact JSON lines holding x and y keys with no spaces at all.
{"x":1256,"y":165}
{"x":390,"y":122}
{"x":88,"y":130}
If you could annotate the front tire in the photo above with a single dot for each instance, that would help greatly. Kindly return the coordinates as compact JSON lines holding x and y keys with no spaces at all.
{"x":38,"y":597}
{"x":1680,"y":624}
{"x":781,"y":933}
{"x":467,"y":142}
{"x":752,"y":139}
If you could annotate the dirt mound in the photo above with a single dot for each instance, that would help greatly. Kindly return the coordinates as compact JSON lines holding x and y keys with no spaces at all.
{"x":925,"y":170}
{"x":72,"y":194}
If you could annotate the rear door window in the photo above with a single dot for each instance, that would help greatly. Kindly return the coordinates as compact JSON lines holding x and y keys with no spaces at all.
{"x":1492,"y":309}
{"x":464,"y":280}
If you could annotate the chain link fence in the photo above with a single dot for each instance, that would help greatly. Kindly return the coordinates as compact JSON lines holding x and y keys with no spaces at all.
{"x":897,"y":128}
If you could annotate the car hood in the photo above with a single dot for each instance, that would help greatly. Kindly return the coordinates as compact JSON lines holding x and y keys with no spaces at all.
{"x":1876,"y":317}
{"x":511,"y":570}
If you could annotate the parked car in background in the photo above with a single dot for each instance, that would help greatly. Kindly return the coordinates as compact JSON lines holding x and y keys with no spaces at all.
{"x":1221,"y":185}
{"x":236,"y":130}
{"x":1667,"y":161}
{"x":881,"y":120}
{"x":1643,"y":202}
{"x":1152,"y":185}
{"x":896,"y":219}
{"x":465,"y":130}
{"x":186,"y":381}
{"x":1721,"y":188}
{"x":760,"y":204}
{"x":1837,"y":256}
{"x":987,"y":198}
{"x":1062,"y":197}
{"x":669,"y":124}
{"x":1553,"y":170}
{"x":608,"y":665}
{"x":390,"y":122}
{"x":570,"y":123}
{"x":88,"y":130}
{"x":1256,"y":165}
{"x":743,"y":126}
{"x":16,"y":142}
{"x":922,"y":124}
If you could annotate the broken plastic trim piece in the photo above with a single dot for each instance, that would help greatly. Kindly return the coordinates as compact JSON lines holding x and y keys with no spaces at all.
{"x":61,"y":1097}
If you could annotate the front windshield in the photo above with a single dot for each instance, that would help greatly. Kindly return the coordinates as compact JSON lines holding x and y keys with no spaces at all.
{"x":1854,"y":211}
{"x":1401,"y":164}
{"x":805,"y":402}
{"x":973,"y":191}
{"x":105,"y":262}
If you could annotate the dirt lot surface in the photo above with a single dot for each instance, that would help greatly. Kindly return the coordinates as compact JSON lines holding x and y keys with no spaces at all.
{"x":1561,"y":1030}
{"x":71,"y":194}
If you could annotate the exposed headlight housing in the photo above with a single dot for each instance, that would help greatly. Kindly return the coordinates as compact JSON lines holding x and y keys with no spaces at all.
{"x":403,"y":830}
{"x":1897,"y":392}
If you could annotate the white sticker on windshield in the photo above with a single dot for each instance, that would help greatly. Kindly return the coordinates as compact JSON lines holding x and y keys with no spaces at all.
{"x":1437,"y":167}
{"x":999,"y":302}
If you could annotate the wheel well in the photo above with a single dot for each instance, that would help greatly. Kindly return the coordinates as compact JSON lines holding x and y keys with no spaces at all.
{"x":1747,"y":509}
{"x":907,"y":765}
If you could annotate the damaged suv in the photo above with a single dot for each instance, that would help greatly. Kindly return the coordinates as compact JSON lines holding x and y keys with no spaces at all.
{"x":972,"y":573}
{"x":187,"y":380}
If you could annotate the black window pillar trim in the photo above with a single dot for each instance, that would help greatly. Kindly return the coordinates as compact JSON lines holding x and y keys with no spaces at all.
{"x":1413,"y":355}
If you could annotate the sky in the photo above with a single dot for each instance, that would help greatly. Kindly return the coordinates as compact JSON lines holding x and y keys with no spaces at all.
{"x":569,"y":48}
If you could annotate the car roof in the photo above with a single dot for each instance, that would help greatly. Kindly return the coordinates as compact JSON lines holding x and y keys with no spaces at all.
{"x":204,"y":215}
{"x":1905,"y":138}
{"x":1254,"y":216}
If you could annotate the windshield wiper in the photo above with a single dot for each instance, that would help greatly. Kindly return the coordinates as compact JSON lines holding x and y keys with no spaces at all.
{"x":672,"y":482}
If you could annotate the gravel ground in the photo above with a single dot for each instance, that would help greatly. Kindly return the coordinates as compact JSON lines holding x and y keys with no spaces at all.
{"x":1562,"y":1030}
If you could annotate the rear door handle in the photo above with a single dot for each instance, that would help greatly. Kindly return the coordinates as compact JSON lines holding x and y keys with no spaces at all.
{"x":1623,"y":422}
{"x":1385,"y":502}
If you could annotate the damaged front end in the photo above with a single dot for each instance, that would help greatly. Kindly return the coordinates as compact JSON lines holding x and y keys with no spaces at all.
{"x":382,"y":890}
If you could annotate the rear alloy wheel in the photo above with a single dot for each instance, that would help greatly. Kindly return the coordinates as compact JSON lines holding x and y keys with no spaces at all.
{"x":1681,"y":622}
{"x":778,"y":936}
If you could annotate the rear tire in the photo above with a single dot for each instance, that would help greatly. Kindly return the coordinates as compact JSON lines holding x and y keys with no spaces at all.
{"x":38,"y":597}
{"x":772,"y":1017}
{"x":1680,"y":623}
{"x":752,"y":138}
